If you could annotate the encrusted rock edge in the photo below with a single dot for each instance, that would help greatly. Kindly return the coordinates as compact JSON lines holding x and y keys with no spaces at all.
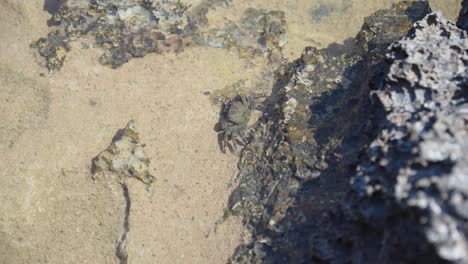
{"x":333,"y":175}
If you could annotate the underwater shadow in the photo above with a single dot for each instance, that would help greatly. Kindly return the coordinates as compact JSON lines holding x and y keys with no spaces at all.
{"x":52,"y":6}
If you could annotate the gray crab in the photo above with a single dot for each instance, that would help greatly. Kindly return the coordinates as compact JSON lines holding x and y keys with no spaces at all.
{"x":233,"y":122}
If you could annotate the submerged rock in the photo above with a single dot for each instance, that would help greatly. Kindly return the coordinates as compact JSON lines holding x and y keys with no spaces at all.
{"x":123,"y":28}
{"x":54,"y":49}
{"x":259,"y":32}
{"x":128,"y":29}
{"x":124,"y":158}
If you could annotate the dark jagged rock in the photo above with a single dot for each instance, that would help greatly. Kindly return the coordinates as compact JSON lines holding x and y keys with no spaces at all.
{"x":296,"y":167}
{"x":411,"y":185}
{"x":463,"y":17}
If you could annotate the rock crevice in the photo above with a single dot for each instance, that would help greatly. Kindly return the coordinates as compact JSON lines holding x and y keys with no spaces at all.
{"x":121,"y":162}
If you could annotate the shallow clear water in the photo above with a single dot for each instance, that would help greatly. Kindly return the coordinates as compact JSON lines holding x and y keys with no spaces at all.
{"x":50,"y":210}
{"x":322,"y":22}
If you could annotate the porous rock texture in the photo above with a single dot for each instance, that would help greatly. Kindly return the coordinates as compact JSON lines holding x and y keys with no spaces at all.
{"x":334,"y":175}
{"x":412,"y":183}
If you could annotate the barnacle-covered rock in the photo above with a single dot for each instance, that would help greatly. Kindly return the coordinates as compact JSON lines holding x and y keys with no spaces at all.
{"x":259,"y":32}
{"x":124,"y":158}
{"x":295,"y":168}
{"x":124,"y":29}
{"x":411,"y":186}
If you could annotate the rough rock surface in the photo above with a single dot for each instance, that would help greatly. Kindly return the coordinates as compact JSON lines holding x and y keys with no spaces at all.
{"x":124,"y":158}
{"x":330,"y":176}
{"x":130,"y":29}
{"x":296,"y":167}
{"x":411,"y":185}
{"x":124,"y":29}
{"x":406,"y":202}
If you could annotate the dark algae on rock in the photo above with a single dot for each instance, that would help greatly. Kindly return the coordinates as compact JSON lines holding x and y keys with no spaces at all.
{"x":122,"y":28}
{"x":294,"y":189}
